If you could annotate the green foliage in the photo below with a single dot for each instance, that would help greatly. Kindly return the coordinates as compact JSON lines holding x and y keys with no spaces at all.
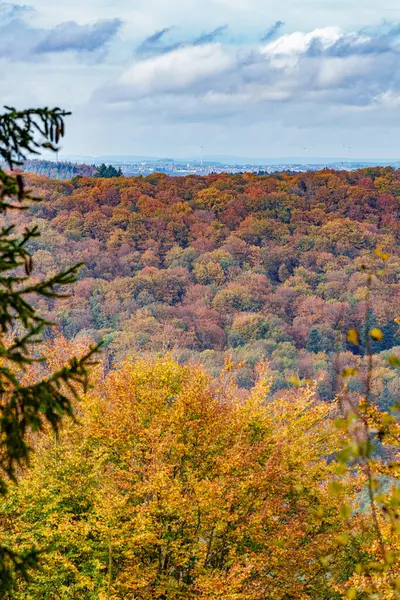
{"x":19,"y":131}
{"x":108,"y":171}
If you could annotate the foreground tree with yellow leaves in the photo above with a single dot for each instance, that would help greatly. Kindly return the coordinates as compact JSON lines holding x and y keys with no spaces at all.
{"x":175,"y":486}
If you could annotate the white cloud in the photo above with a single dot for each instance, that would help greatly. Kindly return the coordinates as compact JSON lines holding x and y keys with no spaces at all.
{"x":175,"y":71}
{"x":299,"y":42}
{"x":324,"y":65}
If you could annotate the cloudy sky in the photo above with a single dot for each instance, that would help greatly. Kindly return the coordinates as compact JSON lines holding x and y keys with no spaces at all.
{"x":256,"y":78}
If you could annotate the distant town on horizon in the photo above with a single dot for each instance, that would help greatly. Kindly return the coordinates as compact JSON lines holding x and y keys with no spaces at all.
{"x":68,"y":167}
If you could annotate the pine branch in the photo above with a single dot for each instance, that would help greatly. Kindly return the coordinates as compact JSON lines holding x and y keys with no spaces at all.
{"x":25,"y":408}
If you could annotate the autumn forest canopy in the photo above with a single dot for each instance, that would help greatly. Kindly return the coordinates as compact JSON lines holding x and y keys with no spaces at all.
{"x":239,"y":440}
{"x":259,"y":267}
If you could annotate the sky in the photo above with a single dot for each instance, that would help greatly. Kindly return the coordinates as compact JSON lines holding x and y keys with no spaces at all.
{"x":256,"y":78}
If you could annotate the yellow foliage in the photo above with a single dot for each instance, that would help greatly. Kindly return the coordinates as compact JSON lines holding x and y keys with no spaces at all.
{"x":188,"y":491}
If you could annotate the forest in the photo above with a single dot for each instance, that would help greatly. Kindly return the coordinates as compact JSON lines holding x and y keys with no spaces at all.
{"x":256,"y":267}
{"x":239,"y":439}
{"x":58,"y":170}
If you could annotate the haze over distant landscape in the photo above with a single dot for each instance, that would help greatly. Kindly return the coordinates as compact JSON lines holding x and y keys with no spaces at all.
{"x":238,"y":78}
{"x":229,"y":159}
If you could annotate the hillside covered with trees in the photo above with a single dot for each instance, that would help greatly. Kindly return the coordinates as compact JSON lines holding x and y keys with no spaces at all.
{"x":266,"y":267}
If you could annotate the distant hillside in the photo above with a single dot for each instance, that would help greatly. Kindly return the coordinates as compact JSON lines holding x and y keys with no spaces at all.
{"x":262,"y":267}
{"x":58,"y":170}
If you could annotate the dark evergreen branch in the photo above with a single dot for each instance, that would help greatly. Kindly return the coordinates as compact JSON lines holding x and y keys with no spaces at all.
{"x":19,"y":131}
{"x":26,"y":408}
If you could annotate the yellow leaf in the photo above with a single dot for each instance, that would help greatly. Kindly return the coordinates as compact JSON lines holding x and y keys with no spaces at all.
{"x":360,"y":569}
{"x":335,"y":488}
{"x":319,"y":512}
{"x":382,"y":255}
{"x":345,"y":511}
{"x":341,"y":424}
{"x":352,"y":337}
{"x":294,"y":380}
{"x":349,"y":372}
{"x":388,"y":419}
{"x":325,"y":560}
{"x":389,"y":558}
{"x":340,"y":469}
{"x":376,"y":334}
{"x":352,"y":594}
{"x":394,"y":360}
{"x":342,"y":539}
